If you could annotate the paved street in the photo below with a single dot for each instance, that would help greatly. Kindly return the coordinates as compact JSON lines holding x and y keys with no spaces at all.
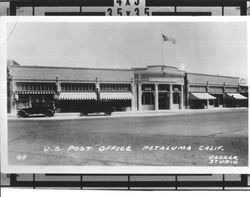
{"x":214,"y":138}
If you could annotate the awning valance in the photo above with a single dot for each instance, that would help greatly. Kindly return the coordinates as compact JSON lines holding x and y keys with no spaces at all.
{"x":35,"y":92}
{"x":201,"y":96}
{"x":77,"y":96}
{"x":236,"y":96}
{"x":116,"y":95}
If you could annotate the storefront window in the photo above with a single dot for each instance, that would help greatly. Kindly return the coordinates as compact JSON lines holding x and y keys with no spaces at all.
{"x":23,"y":101}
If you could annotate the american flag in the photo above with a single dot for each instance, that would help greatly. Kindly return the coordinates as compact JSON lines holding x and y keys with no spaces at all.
{"x":168,"y":39}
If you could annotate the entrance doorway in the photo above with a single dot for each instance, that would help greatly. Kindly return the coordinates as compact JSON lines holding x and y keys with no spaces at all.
{"x":218,"y":102}
{"x":163,"y":100}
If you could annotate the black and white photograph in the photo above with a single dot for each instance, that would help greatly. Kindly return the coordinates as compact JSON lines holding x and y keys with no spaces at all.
{"x":126,"y":95}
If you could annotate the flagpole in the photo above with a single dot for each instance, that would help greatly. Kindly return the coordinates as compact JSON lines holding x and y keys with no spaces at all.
{"x":162,"y":60}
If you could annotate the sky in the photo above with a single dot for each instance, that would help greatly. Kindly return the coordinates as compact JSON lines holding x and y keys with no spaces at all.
{"x":201,"y":47}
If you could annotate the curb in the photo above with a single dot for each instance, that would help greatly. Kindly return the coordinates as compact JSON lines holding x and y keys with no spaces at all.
{"x":65,"y":116}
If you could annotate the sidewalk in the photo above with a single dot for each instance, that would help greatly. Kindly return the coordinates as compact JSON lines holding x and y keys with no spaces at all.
{"x":76,"y":115}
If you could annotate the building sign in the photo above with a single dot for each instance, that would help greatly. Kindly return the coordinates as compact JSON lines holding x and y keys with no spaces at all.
{"x":167,"y":79}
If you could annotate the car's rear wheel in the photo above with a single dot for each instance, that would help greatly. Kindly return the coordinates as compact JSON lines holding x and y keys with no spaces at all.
{"x":83,"y":113}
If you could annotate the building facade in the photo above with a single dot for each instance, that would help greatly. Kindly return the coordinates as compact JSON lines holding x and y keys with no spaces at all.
{"x":150,"y":88}
{"x":207,"y":91}
{"x":159,"y":87}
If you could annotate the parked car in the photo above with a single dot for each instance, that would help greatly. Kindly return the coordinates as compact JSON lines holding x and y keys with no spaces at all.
{"x":38,"y":109}
{"x":97,"y":107}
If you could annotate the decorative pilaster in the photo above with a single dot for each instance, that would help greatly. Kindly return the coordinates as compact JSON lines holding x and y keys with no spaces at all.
{"x":170,"y":96}
{"x":139,"y":96}
{"x":133,"y":100}
{"x":181,"y":98}
{"x":156,"y":97}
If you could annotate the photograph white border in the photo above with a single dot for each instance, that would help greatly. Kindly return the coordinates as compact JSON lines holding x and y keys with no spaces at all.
{"x":5,"y":168}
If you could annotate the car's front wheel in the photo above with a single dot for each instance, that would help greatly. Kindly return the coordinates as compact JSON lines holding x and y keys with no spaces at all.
{"x":49,"y":113}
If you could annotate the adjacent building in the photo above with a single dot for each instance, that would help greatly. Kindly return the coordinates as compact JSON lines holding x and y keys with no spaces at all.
{"x":206,"y":91}
{"x":153,"y":87}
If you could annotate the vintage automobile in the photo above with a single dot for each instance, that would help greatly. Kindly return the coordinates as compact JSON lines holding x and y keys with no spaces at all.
{"x":98,"y":107}
{"x":38,"y":109}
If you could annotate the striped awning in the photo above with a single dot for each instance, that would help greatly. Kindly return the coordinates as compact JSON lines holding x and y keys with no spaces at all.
{"x":116,"y":95}
{"x":236,"y":96}
{"x":77,"y":96}
{"x":201,"y":96}
{"x":36,"y":92}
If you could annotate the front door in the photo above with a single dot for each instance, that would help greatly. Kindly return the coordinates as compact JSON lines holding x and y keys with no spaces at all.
{"x":163,"y":100}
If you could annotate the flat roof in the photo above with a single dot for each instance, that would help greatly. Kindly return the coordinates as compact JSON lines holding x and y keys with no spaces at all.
{"x":70,"y":73}
{"x":211,"y":75}
{"x":67,"y":67}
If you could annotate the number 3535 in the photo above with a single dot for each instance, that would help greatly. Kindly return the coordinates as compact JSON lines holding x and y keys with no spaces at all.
{"x":128,"y":8}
